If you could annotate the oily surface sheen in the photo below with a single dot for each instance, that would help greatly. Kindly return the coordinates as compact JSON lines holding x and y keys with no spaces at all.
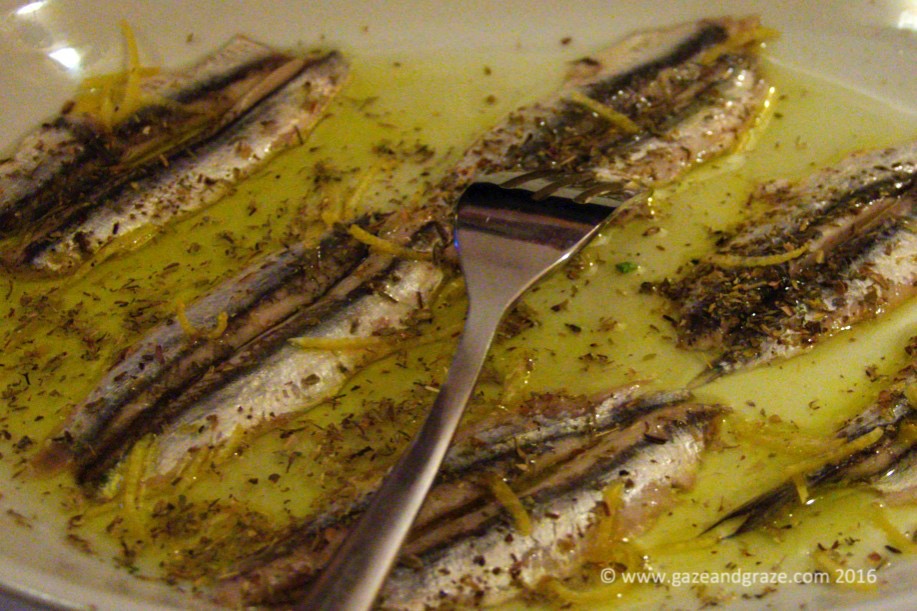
{"x":582,"y":331}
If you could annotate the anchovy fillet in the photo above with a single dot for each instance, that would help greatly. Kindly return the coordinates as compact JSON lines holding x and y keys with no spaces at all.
{"x":464,"y":544}
{"x":645,"y":110}
{"x":262,"y":296}
{"x":890,"y":453}
{"x":835,"y":249}
{"x":818,"y":211}
{"x":196,"y":177}
{"x":309,"y":375}
{"x":875,"y":281}
{"x":70,"y":156}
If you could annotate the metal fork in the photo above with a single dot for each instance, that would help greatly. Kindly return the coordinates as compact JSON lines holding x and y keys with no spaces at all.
{"x":511,"y":230}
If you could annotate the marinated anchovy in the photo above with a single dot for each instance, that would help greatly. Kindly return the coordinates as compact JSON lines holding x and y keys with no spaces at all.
{"x":882,"y":455}
{"x":213,"y":387}
{"x":835,"y":249}
{"x":66,"y":159}
{"x":272,"y":378}
{"x":465,"y":548}
{"x":685,"y":74}
{"x":645,"y":110}
{"x":195,"y":177}
{"x":157,"y":368}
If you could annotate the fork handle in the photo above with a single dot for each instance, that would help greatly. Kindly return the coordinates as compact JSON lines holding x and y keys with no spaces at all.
{"x":359,"y":568}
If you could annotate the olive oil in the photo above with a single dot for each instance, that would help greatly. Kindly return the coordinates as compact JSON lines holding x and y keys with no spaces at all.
{"x":396,"y":129}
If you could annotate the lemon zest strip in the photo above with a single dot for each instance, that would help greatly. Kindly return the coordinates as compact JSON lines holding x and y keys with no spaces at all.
{"x":617,"y":119}
{"x":724,"y":260}
{"x":387,"y":246}
{"x":512,"y":503}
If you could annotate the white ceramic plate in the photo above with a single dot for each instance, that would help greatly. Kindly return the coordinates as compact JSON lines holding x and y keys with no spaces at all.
{"x":48,"y":45}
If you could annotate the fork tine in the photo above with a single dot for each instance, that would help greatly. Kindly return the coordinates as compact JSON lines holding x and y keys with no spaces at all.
{"x":511,"y":180}
{"x":591,"y":192}
{"x":556,"y":185}
{"x":581,"y":188}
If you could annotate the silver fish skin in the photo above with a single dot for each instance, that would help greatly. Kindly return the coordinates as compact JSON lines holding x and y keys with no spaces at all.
{"x":834,"y":249}
{"x":74,"y":154}
{"x":810,"y":219}
{"x":292,"y":379}
{"x":251,"y":374}
{"x":871,"y":282}
{"x":195,"y":178}
{"x":649,"y":74}
{"x":824,"y":208}
{"x":898,"y":485}
{"x":575,"y":447}
{"x":680,"y":103}
{"x":550,"y":417}
{"x":267,"y":293}
{"x":876,"y":464}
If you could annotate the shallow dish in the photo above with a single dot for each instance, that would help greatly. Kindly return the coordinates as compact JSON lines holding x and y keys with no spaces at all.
{"x":49,"y":45}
